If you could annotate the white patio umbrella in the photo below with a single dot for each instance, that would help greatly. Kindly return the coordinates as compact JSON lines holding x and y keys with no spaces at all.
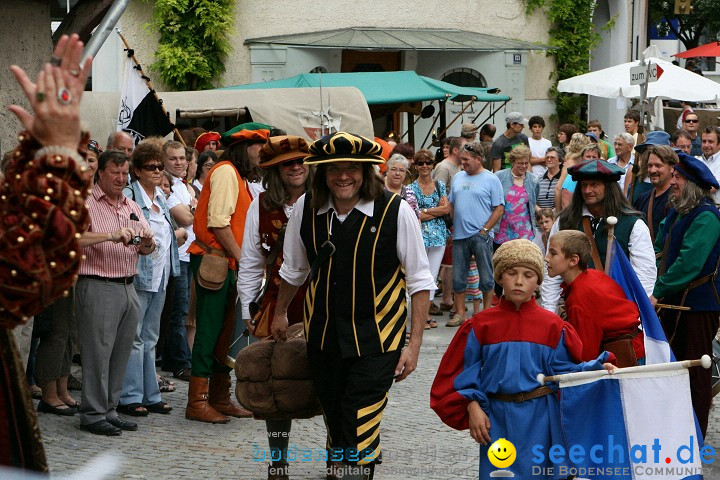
{"x":674,"y":83}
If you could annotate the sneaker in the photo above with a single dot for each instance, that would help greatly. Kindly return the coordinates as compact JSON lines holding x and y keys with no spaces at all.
{"x":455,"y":321}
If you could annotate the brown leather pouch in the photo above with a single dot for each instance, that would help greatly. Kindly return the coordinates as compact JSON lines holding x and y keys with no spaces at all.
{"x":623,"y":350}
{"x":212,"y":272}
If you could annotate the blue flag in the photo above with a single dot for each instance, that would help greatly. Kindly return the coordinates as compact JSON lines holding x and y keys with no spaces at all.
{"x":657,"y":348}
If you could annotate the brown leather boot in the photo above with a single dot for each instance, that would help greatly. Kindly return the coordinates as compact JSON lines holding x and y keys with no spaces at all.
{"x":220,"y":397}
{"x":198,"y":407}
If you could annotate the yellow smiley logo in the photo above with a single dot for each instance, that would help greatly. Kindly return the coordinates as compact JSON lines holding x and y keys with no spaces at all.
{"x":502,"y":453}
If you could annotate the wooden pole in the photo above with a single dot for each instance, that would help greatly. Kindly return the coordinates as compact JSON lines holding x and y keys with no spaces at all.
{"x":611,"y":221}
{"x":456,"y":117}
{"x":149,"y":84}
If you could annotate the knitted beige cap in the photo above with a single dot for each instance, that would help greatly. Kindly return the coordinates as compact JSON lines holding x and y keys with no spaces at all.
{"x":518,"y":253}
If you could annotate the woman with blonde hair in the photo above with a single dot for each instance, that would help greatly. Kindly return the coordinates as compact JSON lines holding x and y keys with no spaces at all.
{"x":573,"y":153}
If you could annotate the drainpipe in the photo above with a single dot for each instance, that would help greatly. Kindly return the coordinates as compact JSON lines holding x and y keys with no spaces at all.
{"x":105,"y":28}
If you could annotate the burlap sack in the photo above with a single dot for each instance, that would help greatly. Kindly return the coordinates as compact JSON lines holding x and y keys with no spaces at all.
{"x":273,"y":379}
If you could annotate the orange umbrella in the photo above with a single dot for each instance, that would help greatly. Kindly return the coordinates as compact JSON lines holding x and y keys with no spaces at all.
{"x":711,"y":49}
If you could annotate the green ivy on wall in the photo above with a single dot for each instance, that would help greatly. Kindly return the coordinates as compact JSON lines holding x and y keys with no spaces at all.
{"x":573,"y":35}
{"x":193,"y":41}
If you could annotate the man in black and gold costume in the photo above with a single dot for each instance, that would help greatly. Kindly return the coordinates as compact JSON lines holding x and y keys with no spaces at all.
{"x":362,"y":249}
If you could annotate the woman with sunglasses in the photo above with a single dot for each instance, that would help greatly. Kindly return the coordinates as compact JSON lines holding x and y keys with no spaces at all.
{"x":141,"y":392}
{"x":433,"y":204}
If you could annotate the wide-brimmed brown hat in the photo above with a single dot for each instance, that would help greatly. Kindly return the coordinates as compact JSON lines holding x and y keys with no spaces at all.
{"x":344,"y":147}
{"x":281,"y":149}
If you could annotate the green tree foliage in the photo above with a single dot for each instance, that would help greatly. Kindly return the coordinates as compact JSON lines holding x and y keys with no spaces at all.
{"x":705,"y":19}
{"x":193,"y":41}
{"x":573,"y":35}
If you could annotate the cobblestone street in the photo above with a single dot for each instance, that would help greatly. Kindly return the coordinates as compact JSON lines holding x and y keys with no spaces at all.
{"x":416,"y":445}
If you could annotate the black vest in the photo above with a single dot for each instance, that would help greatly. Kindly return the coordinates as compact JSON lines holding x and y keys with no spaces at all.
{"x":355,"y":305}
{"x":623,"y":229}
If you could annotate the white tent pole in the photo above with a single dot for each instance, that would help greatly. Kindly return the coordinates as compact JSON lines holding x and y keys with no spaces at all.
{"x":705,"y":362}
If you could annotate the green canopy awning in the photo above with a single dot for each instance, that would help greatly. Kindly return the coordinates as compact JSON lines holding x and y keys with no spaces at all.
{"x":382,"y":87}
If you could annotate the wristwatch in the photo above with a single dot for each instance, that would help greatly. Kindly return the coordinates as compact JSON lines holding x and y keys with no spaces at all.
{"x":424,"y":210}
{"x":485,"y":230}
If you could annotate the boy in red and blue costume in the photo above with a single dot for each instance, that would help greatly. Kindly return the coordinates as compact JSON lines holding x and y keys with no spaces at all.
{"x":487,"y":379}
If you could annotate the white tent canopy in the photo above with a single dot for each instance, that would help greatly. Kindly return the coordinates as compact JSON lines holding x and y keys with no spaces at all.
{"x":292,"y":109}
{"x":674,"y":83}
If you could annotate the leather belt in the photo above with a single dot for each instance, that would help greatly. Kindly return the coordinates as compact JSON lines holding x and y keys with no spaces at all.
{"x":522,"y":396}
{"x":122,"y":280}
{"x":211,"y":250}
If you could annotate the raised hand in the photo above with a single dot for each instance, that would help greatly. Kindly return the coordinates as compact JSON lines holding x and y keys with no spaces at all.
{"x":55,"y":95}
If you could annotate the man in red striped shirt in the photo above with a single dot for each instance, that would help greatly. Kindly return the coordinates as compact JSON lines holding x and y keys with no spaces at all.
{"x":106,"y":303}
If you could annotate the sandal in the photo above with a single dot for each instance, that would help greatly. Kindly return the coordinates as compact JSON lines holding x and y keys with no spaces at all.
{"x":133,"y":409}
{"x":432,"y":323}
{"x":159,"y":407}
{"x":165,"y":384}
{"x":427,"y":326}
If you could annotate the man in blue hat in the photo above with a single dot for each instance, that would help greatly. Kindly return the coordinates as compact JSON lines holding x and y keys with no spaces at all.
{"x":597,"y":197}
{"x":360,"y":248}
{"x":689,"y":244}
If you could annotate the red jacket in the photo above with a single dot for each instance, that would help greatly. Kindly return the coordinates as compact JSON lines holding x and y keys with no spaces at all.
{"x":599,"y":310}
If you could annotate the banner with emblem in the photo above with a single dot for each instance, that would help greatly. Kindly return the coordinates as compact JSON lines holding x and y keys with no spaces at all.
{"x":141,"y":114}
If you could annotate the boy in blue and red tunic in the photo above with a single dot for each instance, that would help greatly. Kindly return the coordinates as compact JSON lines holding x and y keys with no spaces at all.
{"x":487,"y":379}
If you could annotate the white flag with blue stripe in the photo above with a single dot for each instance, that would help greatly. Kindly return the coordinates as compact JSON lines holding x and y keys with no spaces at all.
{"x":634,"y":426}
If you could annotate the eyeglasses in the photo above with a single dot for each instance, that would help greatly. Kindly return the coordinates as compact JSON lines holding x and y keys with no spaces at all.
{"x":692,"y":120}
{"x":420,"y":164}
{"x":153,"y":167}
{"x":296,"y":161}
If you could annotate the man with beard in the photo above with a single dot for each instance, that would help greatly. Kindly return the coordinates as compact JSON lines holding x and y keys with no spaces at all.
{"x":659,"y":161}
{"x":286,"y":179}
{"x":689,"y":242}
{"x":214,"y":256}
{"x":596,"y":198}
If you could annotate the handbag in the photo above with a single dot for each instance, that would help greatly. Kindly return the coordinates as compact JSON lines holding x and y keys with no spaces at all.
{"x":213,"y":267}
{"x":445,"y":218}
{"x":274,"y":379}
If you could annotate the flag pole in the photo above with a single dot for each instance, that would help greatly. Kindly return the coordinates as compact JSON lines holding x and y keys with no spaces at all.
{"x":611,"y":221}
{"x":704,"y":362}
{"x":131,"y":54}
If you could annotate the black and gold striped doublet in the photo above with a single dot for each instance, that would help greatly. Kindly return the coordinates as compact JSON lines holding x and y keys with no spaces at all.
{"x":356,"y":303}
